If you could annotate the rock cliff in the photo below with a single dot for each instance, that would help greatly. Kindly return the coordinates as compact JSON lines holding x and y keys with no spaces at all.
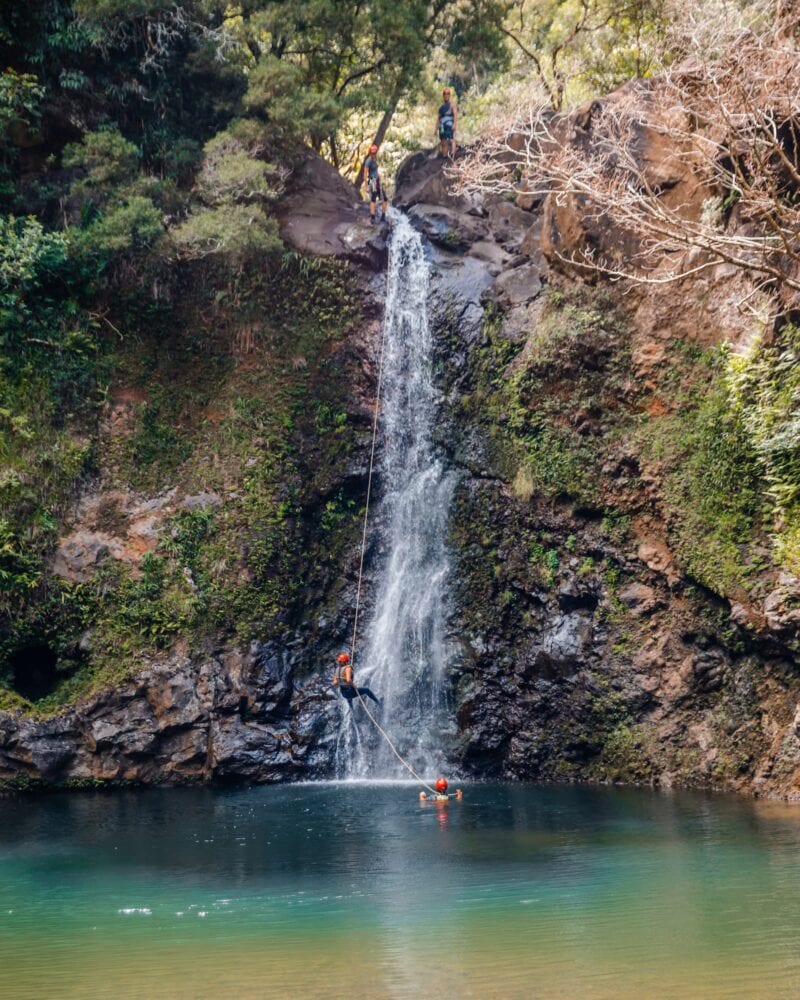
{"x":619,"y":614}
{"x":616,"y":615}
{"x":198,"y":583}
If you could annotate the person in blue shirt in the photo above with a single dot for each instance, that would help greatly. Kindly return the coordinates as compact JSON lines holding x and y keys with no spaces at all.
{"x":372,"y":179}
{"x":446,"y":125}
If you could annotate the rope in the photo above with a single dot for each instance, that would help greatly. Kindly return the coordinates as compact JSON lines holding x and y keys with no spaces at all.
{"x":392,"y":747}
{"x":372,"y":718}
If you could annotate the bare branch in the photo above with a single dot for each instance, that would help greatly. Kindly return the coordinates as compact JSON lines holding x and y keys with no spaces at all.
{"x":722,"y":188}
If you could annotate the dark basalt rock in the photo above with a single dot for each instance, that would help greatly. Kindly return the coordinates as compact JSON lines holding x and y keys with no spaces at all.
{"x":230,"y":717}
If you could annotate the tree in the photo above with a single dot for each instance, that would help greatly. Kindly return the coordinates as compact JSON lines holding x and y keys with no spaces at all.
{"x":315,"y":63}
{"x":592,"y":44}
{"x":234,"y":190}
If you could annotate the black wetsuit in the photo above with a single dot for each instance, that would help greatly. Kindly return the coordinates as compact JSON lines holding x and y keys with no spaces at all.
{"x":349,"y":693}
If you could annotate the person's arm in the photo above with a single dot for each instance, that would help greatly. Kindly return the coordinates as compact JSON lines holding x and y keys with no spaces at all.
{"x":366,"y":175}
{"x":455,"y":117}
{"x":436,"y":126}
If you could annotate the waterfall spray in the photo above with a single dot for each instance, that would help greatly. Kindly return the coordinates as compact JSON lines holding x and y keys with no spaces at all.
{"x":405,"y":652}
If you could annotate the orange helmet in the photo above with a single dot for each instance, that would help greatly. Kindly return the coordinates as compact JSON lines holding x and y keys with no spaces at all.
{"x":441,"y":785}
{"x":373,"y":148}
{"x":343,"y":658}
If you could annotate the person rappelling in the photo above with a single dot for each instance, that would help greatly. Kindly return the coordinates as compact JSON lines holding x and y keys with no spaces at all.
{"x":343,"y":679}
{"x":372,"y":178}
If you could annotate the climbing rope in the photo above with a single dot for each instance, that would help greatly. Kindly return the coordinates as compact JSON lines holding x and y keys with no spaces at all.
{"x":371,"y":717}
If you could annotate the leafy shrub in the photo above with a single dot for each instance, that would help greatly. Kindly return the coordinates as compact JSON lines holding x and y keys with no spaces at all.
{"x":278,"y":91}
{"x":235,"y":187}
{"x":237,"y":232}
{"x":765,"y":386}
{"x":103,"y":160}
{"x":131,"y":226}
{"x":20,"y":97}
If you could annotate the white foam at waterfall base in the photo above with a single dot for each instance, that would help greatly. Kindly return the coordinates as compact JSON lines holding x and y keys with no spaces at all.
{"x":403,"y":653}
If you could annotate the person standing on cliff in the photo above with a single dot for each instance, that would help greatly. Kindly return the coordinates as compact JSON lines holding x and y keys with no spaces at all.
{"x":446,"y":125}
{"x":372,"y":178}
{"x":344,"y":680}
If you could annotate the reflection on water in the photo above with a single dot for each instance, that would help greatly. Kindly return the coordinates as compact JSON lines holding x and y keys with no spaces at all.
{"x":359,"y":891}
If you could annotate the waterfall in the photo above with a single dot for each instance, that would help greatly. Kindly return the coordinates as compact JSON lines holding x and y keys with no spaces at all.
{"x":403,"y":655}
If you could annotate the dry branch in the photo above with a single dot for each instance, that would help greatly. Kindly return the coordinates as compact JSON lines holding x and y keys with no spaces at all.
{"x":725,"y":187}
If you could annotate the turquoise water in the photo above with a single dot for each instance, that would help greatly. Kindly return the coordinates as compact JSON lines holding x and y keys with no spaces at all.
{"x":360,"y":891}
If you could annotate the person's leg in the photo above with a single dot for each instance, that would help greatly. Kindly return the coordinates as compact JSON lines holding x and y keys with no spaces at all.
{"x":365,"y":692}
{"x":442,"y":145}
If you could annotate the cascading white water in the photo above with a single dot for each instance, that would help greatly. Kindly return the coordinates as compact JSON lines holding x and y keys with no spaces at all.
{"x":403,"y":655}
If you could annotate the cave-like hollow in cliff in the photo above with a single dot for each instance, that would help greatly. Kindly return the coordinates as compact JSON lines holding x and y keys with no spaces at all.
{"x":34,"y":670}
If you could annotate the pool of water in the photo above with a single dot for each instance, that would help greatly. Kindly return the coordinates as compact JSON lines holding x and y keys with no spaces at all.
{"x":361,"y":892}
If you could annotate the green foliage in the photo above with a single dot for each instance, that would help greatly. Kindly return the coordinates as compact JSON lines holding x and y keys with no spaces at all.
{"x":536,"y":442}
{"x":29,"y":258}
{"x":294,"y":109}
{"x":627,"y":756}
{"x":129,"y":227}
{"x":48,"y":344}
{"x":157,"y":440}
{"x":103,"y":11}
{"x":236,"y":232}
{"x":20,"y":98}
{"x":235,"y":188}
{"x":116,"y":218}
{"x":105,"y":160}
{"x":712,"y":485}
{"x":20,"y":571}
{"x":765,"y":386}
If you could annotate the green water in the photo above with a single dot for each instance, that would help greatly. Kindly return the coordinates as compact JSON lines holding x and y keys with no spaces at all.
{"x":361,"y":892}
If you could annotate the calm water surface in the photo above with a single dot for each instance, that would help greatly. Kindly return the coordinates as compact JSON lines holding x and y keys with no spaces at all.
{"x":360,"y":892}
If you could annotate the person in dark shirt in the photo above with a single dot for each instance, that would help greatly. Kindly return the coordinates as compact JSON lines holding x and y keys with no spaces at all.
{"x":372,"y":179}
{"x":446,"y":125}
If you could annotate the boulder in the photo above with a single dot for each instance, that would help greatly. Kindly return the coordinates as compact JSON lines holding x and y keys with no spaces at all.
{"x":320,"y":213}
{"x":80,"y":554}
{"x":655,"y":554}
{"x":448,"y":227}
{"x":566,"y":641}
{"x":516,"y":287}
{"x":639,"y":599}
{"x":423,"y":178}
{"x":782,"y":604}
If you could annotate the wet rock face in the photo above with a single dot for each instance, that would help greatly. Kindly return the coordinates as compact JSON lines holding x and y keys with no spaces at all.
{"x":586,"y":654}
{"x":231,"y":717}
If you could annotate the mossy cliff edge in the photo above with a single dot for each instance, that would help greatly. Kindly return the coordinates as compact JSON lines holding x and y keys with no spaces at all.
{"x":179,"y":543}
